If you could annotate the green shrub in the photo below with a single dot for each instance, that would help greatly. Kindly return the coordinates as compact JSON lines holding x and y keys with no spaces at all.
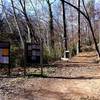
{"x":87,"y":48}
{"x":89,"y":42}
{"x":51,"y":55}
{"x":15,"y":56}
{"x":73,"y":50}
{"x":13,"y":60}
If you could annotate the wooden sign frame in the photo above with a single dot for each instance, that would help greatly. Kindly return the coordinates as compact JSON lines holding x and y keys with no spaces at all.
{"x":40,"y":62}
{"x":6,"y":45}
{"x":32,"y":53}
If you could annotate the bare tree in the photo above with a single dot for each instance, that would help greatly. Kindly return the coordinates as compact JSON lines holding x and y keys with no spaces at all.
{"x":64,"y":25}
{"x":17,"y":26}
{"x":5,"y":13}
{"x":89,"y":21}
{"x":31,"y":32}
{"x":51,"y":24}
{"x":78,"y":45}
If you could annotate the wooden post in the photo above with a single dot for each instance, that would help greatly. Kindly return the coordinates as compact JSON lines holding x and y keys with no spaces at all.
{"x":24,"y":65}
{"x":41,"y":56}
{"x":24,"y":60}
{"x":9,"y":65}
{"x":9,"y":70}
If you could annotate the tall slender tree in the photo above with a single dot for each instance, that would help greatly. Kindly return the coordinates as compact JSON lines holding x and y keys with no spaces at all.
{"x":5,"y":13}
{"x":89,"y":22}
{"x":17,"y":26}
{"x":64,"y":25}
{"x":51,"y":24}
{"x":78,"y":45}
{"x":31,"y":32}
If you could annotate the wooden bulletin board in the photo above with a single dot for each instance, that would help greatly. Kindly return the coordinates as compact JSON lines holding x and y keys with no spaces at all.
{"x":4,"y":52}
{"x":33,"y":53}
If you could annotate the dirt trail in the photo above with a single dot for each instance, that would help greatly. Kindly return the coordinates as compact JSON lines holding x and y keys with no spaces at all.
{"x":54,"y":88}
{"x":82,"y":58}
{"x":82,"y":65}
{"x":85,"y":57}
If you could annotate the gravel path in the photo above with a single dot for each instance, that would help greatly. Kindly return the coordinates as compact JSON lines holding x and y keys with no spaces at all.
{"x":82,"y":65}
{"x":49,"y":89}
{"x":82,"y":82}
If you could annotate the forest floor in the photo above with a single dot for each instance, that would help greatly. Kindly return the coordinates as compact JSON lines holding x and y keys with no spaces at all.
{"x":78,"y":79}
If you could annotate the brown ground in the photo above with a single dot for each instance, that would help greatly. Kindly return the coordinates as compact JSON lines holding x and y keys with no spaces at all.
{"x":78,"y":79}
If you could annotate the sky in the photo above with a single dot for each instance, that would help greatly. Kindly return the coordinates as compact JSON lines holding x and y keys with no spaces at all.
{"x":7,"y":2}
{"x":97,"y":0}
{"x":97,"y":3}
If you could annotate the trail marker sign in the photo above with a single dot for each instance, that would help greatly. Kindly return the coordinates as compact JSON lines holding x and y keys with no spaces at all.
{"x":4,"y":52}
{"x":33,"y":53}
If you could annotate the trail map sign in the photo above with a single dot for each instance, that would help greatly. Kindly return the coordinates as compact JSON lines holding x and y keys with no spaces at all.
{"x":4,"y":53}
{"x":33,"y":53}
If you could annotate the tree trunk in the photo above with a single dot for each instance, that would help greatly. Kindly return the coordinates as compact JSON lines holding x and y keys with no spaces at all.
{"x":9,"y":25}
{"x":17,"y":26}
{"x":64,"y":25}
{"x":31,"y":31}
{"x":78,"y":45}
{"x":51,"y":25}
